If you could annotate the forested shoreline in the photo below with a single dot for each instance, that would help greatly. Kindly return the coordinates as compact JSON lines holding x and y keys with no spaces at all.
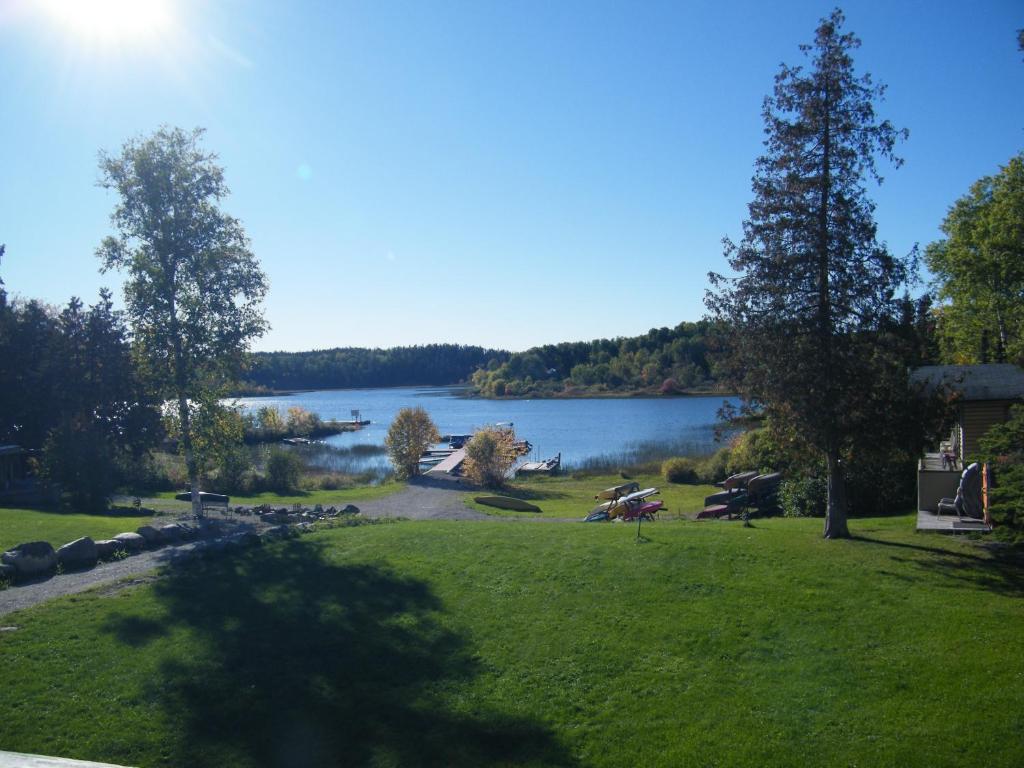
{"x":663,"y":361}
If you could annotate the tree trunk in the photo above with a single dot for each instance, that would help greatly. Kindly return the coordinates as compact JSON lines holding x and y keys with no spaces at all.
{"x":190,"y":457}
{"x":835,"y":512}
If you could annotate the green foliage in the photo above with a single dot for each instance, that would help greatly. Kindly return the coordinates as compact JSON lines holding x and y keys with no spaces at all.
{"x":235,"y":471}
{"x":410,"y":434}
{"x":803,"y":496}
{"x":680,"y":469}
{"x":347,"y":368}
{"x":714,"y":468}
{"x":284,"y":470}
{"x":1003,"y":448}
{"x":641,"y":363}
{"x":978,"y":270}
{"x":755,"y":450}
{"x":815,"y":286}
{"x":490,"y":455}
{"x":193,"y":288}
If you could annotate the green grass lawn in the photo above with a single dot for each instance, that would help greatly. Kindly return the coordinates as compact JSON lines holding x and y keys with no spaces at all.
{"x":572,"y":497}
{"x":18,"y":526}
{"x":485,"y":644}
{"x":309,"y":498}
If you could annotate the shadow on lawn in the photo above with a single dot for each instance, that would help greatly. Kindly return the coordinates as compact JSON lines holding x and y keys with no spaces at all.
{"x":301,"y":662}
{"x":993,"y":567}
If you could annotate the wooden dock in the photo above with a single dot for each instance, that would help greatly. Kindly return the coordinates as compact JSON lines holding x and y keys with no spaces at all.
{"x":929,"y":521}
{"x":448,"y":465}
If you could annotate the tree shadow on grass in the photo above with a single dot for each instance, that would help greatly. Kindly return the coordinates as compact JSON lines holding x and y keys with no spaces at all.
{"x":992,"y":567}
{"x":301,"y":662}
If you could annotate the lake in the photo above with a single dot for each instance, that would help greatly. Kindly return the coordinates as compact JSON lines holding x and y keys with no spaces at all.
{"x":582,"y":430}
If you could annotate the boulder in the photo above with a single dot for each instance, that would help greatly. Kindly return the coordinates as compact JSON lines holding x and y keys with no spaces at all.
{"x":304,"y":527}
{"x":32,"y":559}
{"x":188,"y":532}
{"x":350,"y":509}
{"x":80,"y":553}
{"x":172,"y":533}
{"x":108,"y":548}
{"x":152,"y":536}
{"x":133,"y":542}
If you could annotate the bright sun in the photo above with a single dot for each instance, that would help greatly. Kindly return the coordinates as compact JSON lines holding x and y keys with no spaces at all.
{"x":110,"y":21}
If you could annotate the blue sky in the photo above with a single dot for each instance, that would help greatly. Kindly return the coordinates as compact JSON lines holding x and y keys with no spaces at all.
{"x":496,"y":173}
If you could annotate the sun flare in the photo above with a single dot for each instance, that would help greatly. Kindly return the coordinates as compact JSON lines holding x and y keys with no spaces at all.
{"x":121,"y":21}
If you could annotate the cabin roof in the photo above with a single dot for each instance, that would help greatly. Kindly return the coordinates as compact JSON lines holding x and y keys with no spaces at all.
{"x":994,"y":381}
{"x":10,"y":450}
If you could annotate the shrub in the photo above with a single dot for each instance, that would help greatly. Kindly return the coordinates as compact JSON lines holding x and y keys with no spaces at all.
{"x":804,"y":496}
{"x":679,"y":469}
{"x":284,"y":470}
{"x":490,"y":456}
{"x":235,"y":471}
{"x":1003,"y":447}
{"x":410,"y":434}
{"x":754,"y":450}
{"x":714,"y":468}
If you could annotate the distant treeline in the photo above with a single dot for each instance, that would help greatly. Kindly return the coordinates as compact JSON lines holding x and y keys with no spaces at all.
{"x":350,"y":367}
{"x":662,"y":361}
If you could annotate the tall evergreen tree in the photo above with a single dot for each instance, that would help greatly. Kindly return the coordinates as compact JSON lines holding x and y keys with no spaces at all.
{"x":813,"y":282}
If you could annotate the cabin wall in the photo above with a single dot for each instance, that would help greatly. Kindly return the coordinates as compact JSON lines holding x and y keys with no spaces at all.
{"x":976,"y":418}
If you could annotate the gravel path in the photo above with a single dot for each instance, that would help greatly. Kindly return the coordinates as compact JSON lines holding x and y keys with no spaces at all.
{"x":26,"y":595}
{"x":421,"y":500}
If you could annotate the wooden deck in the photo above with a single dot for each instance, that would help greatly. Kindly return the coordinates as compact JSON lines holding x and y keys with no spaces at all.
{"x":929,"y":521}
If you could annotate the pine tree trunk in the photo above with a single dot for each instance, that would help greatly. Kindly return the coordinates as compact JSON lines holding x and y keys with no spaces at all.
{"x":835,"y":512}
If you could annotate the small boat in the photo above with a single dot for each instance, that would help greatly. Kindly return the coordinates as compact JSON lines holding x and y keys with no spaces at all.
{"x":597,"y":516}
{"x":617,"y":507}
{"x":645,"y":511}
{"x":507,"y":502}
{"x":618,"y":491}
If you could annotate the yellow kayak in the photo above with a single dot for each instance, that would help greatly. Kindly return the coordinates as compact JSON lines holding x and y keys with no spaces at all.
{"x":618,"y":490}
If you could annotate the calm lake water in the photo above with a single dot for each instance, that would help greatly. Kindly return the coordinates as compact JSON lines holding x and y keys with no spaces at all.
{"x":581,"y":430}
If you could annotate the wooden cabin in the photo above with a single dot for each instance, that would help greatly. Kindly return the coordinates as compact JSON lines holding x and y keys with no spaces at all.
{"x":984,"y":394}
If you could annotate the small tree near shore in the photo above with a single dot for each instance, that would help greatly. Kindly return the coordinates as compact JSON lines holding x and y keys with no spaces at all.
{"x":489,"y":456}
{"x":411,"y":433}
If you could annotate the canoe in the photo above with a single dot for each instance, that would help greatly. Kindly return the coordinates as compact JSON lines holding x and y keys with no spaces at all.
{"x":506,"y":502}
{"x":618,"y":490}
{"x":597,"y":516}
{"x":616,"y":508}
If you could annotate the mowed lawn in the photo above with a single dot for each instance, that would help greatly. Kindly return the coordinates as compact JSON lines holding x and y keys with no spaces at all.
{"x":503,"y":642}
{"x":566,"y":496}
{"x":18,"y":526}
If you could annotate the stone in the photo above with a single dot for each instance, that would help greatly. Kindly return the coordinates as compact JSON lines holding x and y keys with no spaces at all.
{"x":152,"y":536}
{"x":133,"y":542}
{"x":108,"y":548}
{"x":34,"y":558}
{"x":304,"y":527}
{"x":350,"y":509}
{"x":172,"y":533}
{"x":80,"y":553}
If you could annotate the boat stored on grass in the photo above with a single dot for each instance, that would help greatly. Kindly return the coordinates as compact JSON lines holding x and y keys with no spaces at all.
{"x":507,"y":502}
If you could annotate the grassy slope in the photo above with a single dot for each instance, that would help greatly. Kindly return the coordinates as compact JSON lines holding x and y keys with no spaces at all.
{"x":18,"y":526}
{"x":571,"y":497}
{"x":487,"y":643}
